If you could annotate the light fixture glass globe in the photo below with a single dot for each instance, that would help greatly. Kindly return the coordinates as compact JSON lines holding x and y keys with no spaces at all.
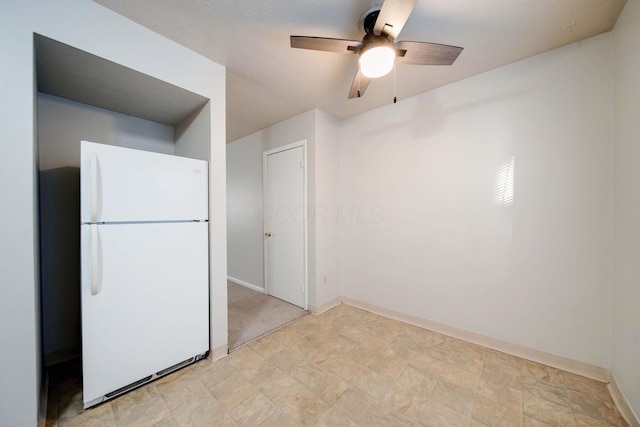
{"x":377,"y":61}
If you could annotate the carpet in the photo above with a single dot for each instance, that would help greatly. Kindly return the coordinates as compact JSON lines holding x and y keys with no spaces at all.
{"x":253,"y":314}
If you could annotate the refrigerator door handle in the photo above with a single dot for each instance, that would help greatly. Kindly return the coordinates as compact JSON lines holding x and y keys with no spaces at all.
{"x":95,"y":279}
{"x":94,"y":187}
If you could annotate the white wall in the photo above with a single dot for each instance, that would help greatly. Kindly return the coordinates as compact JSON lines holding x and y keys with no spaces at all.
{"x":327,"y":169}
{"x":92,"y":28}
{"x":62,"y":124}
{"x":626,"y":220}
{"x":191,"y":135}
{"x":244,"y":202}
{"x":245,"y":260}
{"x":297,"y":128}
{"x":485,"y":205}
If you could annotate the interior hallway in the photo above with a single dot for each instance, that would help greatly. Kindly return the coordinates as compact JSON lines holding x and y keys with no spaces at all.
{"x":353,"y":368}
{"x":252,"y":314}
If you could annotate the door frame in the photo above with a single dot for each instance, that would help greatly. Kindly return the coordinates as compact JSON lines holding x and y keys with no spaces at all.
{"x":305,"y":222}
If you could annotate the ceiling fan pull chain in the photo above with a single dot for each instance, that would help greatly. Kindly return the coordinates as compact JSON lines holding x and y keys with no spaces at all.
{"x":395,"y":91}
{"x":359,"y":82}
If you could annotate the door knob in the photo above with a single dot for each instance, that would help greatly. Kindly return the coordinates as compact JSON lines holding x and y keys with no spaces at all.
{"x":268,"y":234}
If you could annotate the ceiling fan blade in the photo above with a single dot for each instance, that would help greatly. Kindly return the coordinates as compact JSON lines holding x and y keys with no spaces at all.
{"x":393,"y":16}
{"x":421,"y":53}
{"x":359,"y":85}
{"x":326,"y":44}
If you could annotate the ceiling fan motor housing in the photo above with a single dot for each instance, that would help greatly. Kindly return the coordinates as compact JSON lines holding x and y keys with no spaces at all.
{"x":370,"y":21}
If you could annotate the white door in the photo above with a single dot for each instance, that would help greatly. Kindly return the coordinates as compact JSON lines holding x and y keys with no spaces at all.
{"x":145,"y":301}
{"x":284,"y":214}
{"x":121,"y":184}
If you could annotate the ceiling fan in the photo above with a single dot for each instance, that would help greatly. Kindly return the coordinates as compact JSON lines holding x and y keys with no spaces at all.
{"x":378,"y":50}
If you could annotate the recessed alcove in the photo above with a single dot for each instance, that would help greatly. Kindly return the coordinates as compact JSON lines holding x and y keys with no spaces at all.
{"x":82,"y":96}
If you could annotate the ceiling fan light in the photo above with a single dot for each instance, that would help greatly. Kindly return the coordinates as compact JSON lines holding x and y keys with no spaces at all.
{"x":377,"y":61}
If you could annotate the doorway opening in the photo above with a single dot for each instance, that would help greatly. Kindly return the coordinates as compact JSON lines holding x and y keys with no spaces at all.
{"x":267,"y":238}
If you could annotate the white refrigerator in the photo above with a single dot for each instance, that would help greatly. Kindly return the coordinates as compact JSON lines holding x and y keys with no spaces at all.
{"x":144,"y":267}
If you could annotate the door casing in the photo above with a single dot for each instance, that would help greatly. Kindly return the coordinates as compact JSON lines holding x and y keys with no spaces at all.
{"x":265,"y":154}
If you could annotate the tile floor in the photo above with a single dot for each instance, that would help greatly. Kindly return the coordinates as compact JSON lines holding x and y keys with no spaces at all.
{"x":348,"y":367}
{"x":253,"y":314}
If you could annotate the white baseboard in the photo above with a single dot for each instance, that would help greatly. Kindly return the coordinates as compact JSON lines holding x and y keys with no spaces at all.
{"x":622,"y":403}
{"x":218,"y":353}
{"x":326,"y":306}
{"x":246,"y":284}
{"x":586,"y":370}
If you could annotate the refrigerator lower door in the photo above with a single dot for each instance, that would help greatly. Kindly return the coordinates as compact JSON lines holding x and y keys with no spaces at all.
{"x":145,"y":301}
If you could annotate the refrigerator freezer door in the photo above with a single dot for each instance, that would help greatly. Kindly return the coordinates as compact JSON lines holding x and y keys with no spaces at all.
{"x":121,"y":184}
{"x":152,"y":308}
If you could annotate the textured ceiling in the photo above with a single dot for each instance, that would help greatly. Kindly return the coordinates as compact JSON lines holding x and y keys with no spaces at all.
{"x":268,"y":82}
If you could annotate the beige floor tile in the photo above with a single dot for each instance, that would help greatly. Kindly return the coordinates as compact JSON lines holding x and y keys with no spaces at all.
{"x":213,"y":373}
{"x":439,"y":415}
{"x":287,"y":361}
{"x":99,"y":416}
{"x":201,"y":411}
{"x":323,"y":384}
{"x":253,"y":410}
{"x":586,"y":385}
{"x":381,"y":327}
{"x":460,"y":399}
{"x":548,"y":392}
{"x":409,"y":402}
{"x":261,"y":373}
{"x":337,"y":345}
{"x":389,"y":363}
{"x":361,"y":354}
{"x":243,"y":357}
{"x":468,"y":360}
{"x":505,"y":359}
{"x":266,"y":346}
{"x":367,"y":340}
{"x":455,"y":375}
{"x":427,"y":364}
{"x":341,"y":366}
{"x":547,"y":412}
{"x":410,"y":343}
{"x":332,"y":418}
{"x":279,"y":387}
{"x":349,"y":367}
{"x":373,"y":383}
{"x":143,"y":413}
{"x":536,"y":372}
{"x":280,"y":419}
{"x":417,"y":381}
{"x":303,"y":407}
{"x":232,"y":390}
{"x":532,"y":422}
{"x":382,"y":416}
{"x":182,"y":390}
{"x":600,"y":409}
{"x":491,"y":413}
{"x":502,"y":373}
{"x":586,"y":421}
{"x":294,"y":341}
{"x":501,"y":393}
{"x":296,"y":401}
{"x":354,"y":402}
